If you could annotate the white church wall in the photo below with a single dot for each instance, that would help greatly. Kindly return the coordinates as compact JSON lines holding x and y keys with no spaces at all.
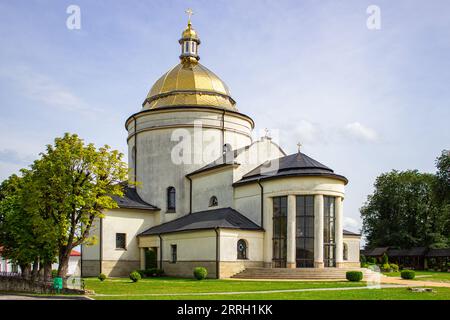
{"x":230,"y":238}
{"x":218,"y":184}
{"x":353,"y":245}
{"x":257,"y":153}
{"x":156,"y":170}
{"x":247,"y":200}
{"x":128,"y":221}
{"x":304,"y":185}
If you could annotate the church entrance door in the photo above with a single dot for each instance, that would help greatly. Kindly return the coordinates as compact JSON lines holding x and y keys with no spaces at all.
{"x":151,"y":255}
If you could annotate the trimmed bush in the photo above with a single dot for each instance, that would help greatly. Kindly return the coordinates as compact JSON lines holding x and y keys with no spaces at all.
{"x":354,"y":276}
{"x":394,"y":267}
{"x":408,"y":274}
{"x":386,"y":267}
{"x":142,"y":273}
{"x":364,"y":265}
{"x":384,"y":259}
{"x":135,"y":276}
{"x":371,"y":260}
{"x":200,"y":273}
{"x":154,"y":272}
{"x":54,"y":273}
{"x":101,"y":277}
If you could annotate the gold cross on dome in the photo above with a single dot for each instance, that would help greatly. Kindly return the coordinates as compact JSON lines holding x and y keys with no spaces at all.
{"x":189,"y":13}
{"x":299,"y":145}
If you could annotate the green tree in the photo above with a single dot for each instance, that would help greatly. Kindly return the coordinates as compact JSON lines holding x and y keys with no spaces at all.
{"x":72,"y":187}
{"x":27,"y":239}
{"x":402,"y":211}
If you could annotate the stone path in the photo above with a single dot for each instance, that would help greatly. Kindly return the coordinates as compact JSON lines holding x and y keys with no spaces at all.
{"x":414,"y":283}
{"x":250,"y":292}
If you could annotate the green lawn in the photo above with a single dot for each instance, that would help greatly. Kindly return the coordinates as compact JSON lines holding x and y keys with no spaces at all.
{"x":124,"y":289}
{"x":425,"y":275}
{"x":176,"y":285}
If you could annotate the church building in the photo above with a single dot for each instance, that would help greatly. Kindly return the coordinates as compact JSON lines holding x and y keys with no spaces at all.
{"x":207,"y":194}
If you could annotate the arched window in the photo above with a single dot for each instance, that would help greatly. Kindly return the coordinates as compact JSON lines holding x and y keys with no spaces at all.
{"x":345,"y":253}
{"x":213,"y":201}
{"x":242,"y":249}
{"x":171,"y":199}
{"x":227,"y":148}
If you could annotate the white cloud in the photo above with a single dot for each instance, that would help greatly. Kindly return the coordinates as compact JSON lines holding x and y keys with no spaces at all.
{"x":42,"y":88}
{"x":350,"y":223}
{"x":359,"y":132}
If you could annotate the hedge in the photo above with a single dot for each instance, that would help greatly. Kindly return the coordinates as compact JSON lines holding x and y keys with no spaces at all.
{"x":354,"y":276}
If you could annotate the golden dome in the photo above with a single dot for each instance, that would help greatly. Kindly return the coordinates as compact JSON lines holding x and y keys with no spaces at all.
{"x":189,"y":33}
{"x":189,"y":84}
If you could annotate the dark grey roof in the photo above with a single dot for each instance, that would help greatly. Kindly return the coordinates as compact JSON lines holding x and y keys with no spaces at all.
{"x":444,"y":252}
{"x":412,"y":252}
{"x":297,"y":164}
{"x":349,"y":233}
{"x":132,"y":200}
{"x":376,"y":251}
{"x":226,"y":218}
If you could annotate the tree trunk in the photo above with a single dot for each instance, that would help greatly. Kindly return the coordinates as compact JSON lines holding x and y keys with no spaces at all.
{"x":63,"y":267}
{"x":35,"y":270}
{"x":25,"y":269}
{"x":47,"y":272}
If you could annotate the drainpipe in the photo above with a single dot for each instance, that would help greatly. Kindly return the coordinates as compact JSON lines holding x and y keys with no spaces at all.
{"x":262,"y":203}
{"x":223,"y":132}
{"x":101,"y":245}
{"x":160,"y":251}
{"x":217,"y":252}
{"x":190,"y":194}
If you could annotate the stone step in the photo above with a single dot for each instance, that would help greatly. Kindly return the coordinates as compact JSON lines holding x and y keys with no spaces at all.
{"x":300,"y":273}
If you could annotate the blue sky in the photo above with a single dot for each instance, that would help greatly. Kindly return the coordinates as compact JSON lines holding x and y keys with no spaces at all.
{"x":361,"y":101}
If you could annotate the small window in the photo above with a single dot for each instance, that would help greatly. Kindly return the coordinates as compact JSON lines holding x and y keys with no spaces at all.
{"x":120,"y":241}
{"x":345,"y":253}
{"x":242,"y":249}
{"x":171,"y":199}
{"x":173,"y":248}
{"x":213,"y":201}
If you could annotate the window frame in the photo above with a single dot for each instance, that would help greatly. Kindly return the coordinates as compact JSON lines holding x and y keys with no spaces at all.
{"x":242,"y":255}
{"x":171,"y":192}
{"x":124,"y":241}
{"x":173,"y":253}
{"x":213,"y":202}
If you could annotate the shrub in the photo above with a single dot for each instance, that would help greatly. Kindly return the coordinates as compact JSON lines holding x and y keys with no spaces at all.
{"x":54,"y":273}
{"x":362,"y":259}
{"x":394,"y":267}
{"x":384,"y":259}
{"x":408,"y":274}
{"x":371,"y":260}
{"x":101,"y":277}
{"x":135,"y":276}
{"x":364,"y":265}
{"x":142,"y":273}
{"x":354,"y":276}
{"x":200,"y":273}
{"x":154,"y":272}
{"x":386,"y":267}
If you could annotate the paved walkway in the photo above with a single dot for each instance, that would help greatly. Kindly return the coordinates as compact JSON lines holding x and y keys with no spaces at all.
{"x":414,"y":283}
{"x":249,"y":292}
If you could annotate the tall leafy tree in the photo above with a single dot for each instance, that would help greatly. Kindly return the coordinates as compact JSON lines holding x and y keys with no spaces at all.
{"x":409,"y":208}
{"x":73,"y":183}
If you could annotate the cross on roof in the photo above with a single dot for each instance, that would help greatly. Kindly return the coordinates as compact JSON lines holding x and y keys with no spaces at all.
{"x":299,"y":145}
{"x":189,"y":13}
